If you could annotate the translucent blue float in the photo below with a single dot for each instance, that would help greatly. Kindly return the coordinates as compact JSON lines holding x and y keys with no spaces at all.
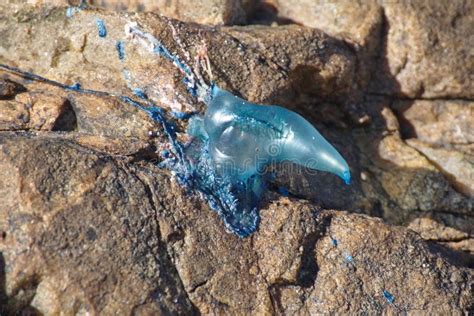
{"x":241,"y":139}
{"x":235,"y":140}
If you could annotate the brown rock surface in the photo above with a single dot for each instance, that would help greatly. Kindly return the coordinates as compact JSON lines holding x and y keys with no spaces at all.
{"x":428,"y":44}
{"x":429,"y":49}
{"x":90,"y":224}
{"x":260,"y":70}
{"x":439,"y":122}
{"x":103,"y":235}
{"x":354,"y":20}
{"x":70,"y":234}
{"x":39,"y":111}
{"x":457,"y":166}
{"x":357,"y":22}
{"x":214,"y":12}
{"x":8,"y":88}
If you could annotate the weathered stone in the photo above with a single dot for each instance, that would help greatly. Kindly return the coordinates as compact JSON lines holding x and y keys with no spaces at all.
{"x":439,"y":122}
{"x":80,"y":234}
{"x":315,"y":64}
{"x":104,"y":236}
{"x":428,"y":46}
{"x":466,"y":245}
{"x":398,"y":182}
{"x":436,"y":230}
{"x":428,"y":49}
{"x":243,"y":61}
{"x":9,"y":89}
{"x":213,"y":12}
{"x":430,"y":229}
{"x":39,"y":111}
{"x":456,"y":166}
{"x":90,"y":224}
{"x":356,"y":22}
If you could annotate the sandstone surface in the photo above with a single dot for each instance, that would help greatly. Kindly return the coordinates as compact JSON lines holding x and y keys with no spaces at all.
{"x":90,"y":224}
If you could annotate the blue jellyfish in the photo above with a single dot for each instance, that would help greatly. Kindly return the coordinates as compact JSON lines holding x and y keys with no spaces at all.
{"x":235,"y":140}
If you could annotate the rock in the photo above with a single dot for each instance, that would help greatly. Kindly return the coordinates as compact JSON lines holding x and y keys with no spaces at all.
{"x":215,"y":12}
{"x":70,"y":234}
{"x":419,"y":35}
{"x":9,"y":89}
{"x":39,"y":111}
{"x":408,"y":178}
{"x":456,"y":166}
{"x":430,"y":229}
{"x":466,"y":245}
{"x":358,"y":23}
{"x":128,"y":122}
{"x":243,"y":61}
{"x":428,"y":50}
{"x":315,"y":64}
{"x":439,"y":122}
{"x":399,"y":183}
{"x":46,"y":108}
{"x":90,"y":224}
{"x":93,"y":233}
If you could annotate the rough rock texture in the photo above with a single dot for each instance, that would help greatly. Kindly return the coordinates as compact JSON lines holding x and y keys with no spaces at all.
{"x":410,"y":49}
{"x":216,"y":12}
{"x":249,"y":66}
{"x":440,"y":122}
{"x":429,"y":49}
{"x":89,"y":223}
{"x":357,"y":22}
{"x":103,"y":235}
{"x":455,"y":165}
{"x":71,"y":242}
{"x":427,"y":46}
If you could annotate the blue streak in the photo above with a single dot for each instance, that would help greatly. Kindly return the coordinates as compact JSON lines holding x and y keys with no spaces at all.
{"x":388,"y":296}
{"x":139,"y":93}
{"x":120,"y":47}
{"x":75,"y":87}
{"x":101,"y":27}
{"x":181,"y":115}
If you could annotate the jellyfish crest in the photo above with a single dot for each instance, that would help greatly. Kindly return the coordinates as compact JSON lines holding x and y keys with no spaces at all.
{"x":249,"y":136}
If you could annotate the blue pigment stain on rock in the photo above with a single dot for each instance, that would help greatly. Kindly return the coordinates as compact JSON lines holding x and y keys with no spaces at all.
{"x":76,"y":86}
{"x":70,"y":11}
{"x":334,"y":242}
{"x":388,"y":296}
{"x":139,"y":93}
{"x":120,"y":47}
{"x":348,"y":258}
{"x":181,"y":115}
{"x":101,"y":27}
